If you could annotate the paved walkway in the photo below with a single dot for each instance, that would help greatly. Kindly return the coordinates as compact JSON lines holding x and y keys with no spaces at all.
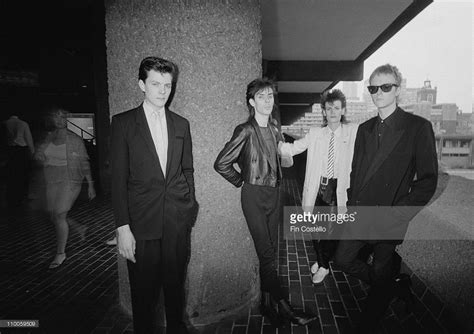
{"x":82,"y":295}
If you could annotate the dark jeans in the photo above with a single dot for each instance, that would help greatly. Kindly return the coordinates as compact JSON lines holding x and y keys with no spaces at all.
{"x":160,"y":263}
{"x":262,"y":211}
{"x":17,"y":175}
{"x":325,"y":248}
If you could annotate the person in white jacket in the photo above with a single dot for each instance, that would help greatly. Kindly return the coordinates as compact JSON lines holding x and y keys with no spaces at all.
{"x":328,"y":166}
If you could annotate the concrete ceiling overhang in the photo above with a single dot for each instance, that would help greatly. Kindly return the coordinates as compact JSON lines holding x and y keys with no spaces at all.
{"x":311,"y":45}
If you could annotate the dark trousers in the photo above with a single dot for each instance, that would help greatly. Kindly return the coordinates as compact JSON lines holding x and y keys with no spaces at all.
{"x":380,"y":275}
{"x":325,"y":248}
{"x":262,"y":211}
{"x":160,"y":263}
{"x":17,"y":175}
{"x":384,"y":266}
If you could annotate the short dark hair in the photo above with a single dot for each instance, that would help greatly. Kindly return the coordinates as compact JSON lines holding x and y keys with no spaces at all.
{"x":256,"y":86}
{"x":159,"y":65}
{"x":330,"y":96}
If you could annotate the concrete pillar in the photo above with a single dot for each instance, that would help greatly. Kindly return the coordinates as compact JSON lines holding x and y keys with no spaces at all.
{"x":217,"y":46}
{"x":102,"y":117}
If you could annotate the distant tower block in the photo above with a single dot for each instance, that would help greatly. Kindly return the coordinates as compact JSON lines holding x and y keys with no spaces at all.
{"x":427,"y":93}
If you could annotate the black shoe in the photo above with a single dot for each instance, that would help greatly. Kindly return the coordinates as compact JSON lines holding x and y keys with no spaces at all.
{"x":298,"y":318}
{"x":268,"y":308}
{"x":403,"y":291}
{"x":365,"y":254}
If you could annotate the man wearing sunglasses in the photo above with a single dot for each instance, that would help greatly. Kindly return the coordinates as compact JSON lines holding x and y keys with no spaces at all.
{"x":395,"y":169}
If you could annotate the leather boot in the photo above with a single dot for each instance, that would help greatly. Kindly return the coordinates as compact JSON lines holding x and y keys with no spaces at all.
{"x":298,"y":318}
{"x":268,"y":308}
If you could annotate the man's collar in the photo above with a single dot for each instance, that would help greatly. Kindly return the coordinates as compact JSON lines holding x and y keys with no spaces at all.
{"x":337,"y":132}
{"x":149,"y":109}
{"x":391,"y":120}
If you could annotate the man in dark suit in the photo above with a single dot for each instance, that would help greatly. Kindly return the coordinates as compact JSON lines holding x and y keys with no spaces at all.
{"x":153,"y":197}
{"x":394,"y":167}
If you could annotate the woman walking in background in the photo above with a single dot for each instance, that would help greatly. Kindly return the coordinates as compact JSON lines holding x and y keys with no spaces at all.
{"x":65,"y":164}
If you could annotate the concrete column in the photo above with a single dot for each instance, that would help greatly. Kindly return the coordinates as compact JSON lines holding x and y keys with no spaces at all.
{"x":102,"y":117}
{"x":217,"y":46}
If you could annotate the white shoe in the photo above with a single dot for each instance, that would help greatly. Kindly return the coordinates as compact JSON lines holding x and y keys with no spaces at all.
{"x":58,"y":260}
{"x":314,"y":268}
{"x":320,"y":275}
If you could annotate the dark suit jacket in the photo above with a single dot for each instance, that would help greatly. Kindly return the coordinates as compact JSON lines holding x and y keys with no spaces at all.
{"x":401,"y":173}
{"x":141,"y":196}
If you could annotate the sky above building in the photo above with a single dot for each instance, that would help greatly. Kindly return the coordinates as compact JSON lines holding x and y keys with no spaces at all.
{"x":437,"y":45}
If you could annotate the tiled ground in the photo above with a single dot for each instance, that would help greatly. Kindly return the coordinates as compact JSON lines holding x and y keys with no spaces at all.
{"x":82,"y":295}
{"x":77,"y":295}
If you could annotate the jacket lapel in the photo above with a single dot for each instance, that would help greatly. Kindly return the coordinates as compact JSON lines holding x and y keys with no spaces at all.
{"x":370,"y":143}
{"x":171,"y":140}
{"x":368,"y":154}
{"x":145,"y":132}
{"x":276,"y":136}
{"x":342,"y":148}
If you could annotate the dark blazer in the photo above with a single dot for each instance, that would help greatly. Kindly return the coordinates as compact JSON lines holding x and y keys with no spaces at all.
{"x":247,"y":148}
{"x":402,"y":172}
{"x":141,"y":196}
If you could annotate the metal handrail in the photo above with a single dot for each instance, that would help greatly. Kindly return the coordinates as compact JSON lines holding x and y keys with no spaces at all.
{"x":83,"y":131}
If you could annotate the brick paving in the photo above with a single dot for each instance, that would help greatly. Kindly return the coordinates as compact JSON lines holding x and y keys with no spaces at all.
{"x":82,"y":295}
{"x":76,"y":296}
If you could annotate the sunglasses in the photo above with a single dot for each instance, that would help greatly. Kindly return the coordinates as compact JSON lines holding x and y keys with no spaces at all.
{"x":385,"y":88}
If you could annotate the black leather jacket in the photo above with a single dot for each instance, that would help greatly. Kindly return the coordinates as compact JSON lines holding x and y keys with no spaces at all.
{"x":247,"y":148}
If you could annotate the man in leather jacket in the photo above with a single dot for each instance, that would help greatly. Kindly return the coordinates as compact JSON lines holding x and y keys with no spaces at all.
{"x":253,"y":147}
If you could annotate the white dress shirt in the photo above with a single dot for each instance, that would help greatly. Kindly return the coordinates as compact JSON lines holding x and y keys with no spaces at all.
{"x":19,"y":133}
{"x":159,"y":132}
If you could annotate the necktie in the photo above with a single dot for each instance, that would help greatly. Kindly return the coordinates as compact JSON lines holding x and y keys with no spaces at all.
{"x":331,"y":157}
{"x":160,"y":141}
